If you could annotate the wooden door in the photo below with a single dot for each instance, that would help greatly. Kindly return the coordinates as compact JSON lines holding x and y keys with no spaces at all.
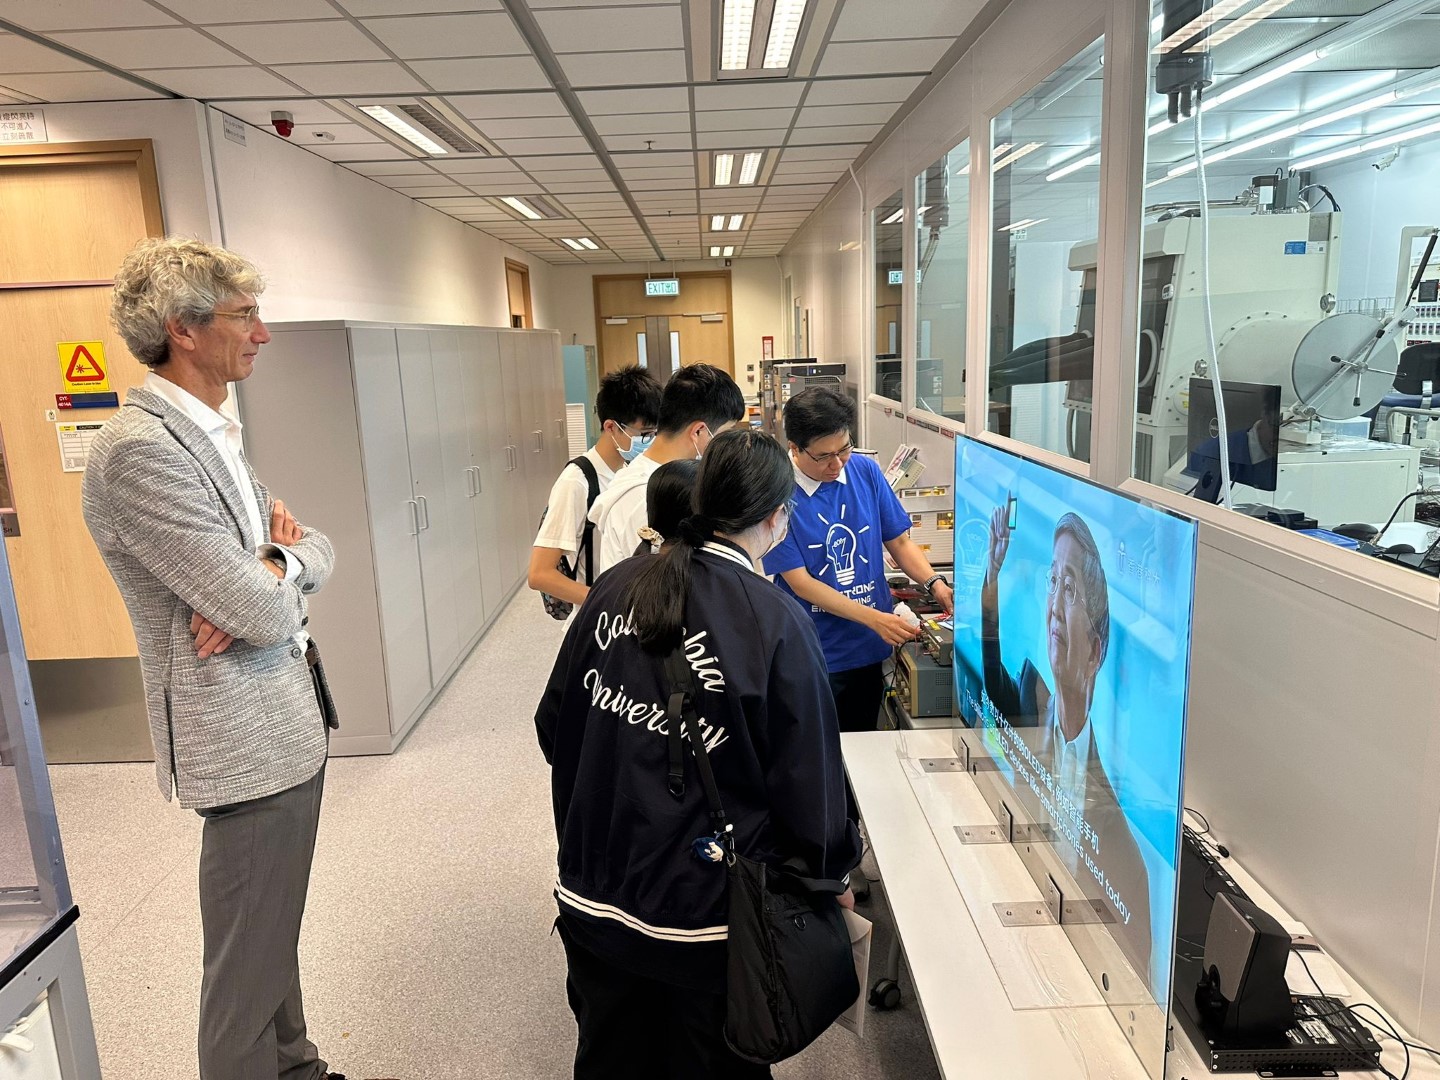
{"x":68,"y":215}
{"x":700,"y":316}
{"x":517,"y":289}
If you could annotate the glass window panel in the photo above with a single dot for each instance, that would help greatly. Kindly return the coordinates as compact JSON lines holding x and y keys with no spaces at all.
{"x":674,"y":351}
{"x":889,"y":241}
{"x":1045,"y":179}
{"x":942,"y":235}
{"x":642,"y":350}
{"x":1292,"y":280}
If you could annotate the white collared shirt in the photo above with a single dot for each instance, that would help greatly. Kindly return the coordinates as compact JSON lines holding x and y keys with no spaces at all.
{"x":809,"y":485}
{"x":1070,"y":757}
{"x":739,"y":558}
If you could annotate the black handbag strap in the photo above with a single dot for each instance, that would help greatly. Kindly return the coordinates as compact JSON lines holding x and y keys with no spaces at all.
{"x":681,"y":705}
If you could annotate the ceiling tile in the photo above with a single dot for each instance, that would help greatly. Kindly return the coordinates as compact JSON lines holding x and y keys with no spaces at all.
{"x":305,"y":111}
{"x":660,"y":185}
{"x":629,"y":102}
{"x":421,"y":180}
{"x":366,"y":152}
{"x":717,"y":201}
{"x":673,"y":172}
{"x":300,"y":42}
{"x":564,"y":161}
{"x":605,"y":29}
{"x":76,"y":86}
{"x":822,"y":153}
{"x":574,"y":187}
{"x":565,"y":176}
{"x":484,"y":73}
{"x":758,"y":95}
{"x":134,"y":50}
{"x":337,"y":151}
{"x":477,"y":167}
{"x":504,"y":187}
{"x":351,"y":80}
{"x":882,"y":57}
{"x":228,"y":11}
{"x":616,"y":68}
{"x":416,"y":7}
{"x":739,"y":140}
{"x":207,"y":83}
{"x":19,"y":55}
{"x":429,"y":192}
{"x":848,"y":91}
{"x":823,"y":135}
{"x":46,"y":15}
{"x":426,"y":36}
{"x":391,"y":168}
{"x":837,"y":115}
{"x":679,"y":140}
{"x":743,"y":119}
{"x":305,"y":134}
{"x":653,"y":159}
{"x":505,"y":106}
{"x":531,"y":147}
{"x":871,"y":20}
{"x":529,"y":127}
{"x":643,"y":124}
{"x":799,"y":189}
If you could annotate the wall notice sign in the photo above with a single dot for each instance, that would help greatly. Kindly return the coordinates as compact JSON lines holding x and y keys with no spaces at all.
{"x":82,"y":366}
{"x":22,"y":126}
{"x":235,"y":130}
{"x":767,"y":348}
{"x":75,"y":441}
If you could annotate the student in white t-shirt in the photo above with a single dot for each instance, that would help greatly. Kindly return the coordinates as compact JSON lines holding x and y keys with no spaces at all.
{"x":628,"y":406}
{"x":700,"y":401}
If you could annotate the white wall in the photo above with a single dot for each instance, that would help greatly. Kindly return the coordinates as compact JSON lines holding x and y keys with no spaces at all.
{"x":754,"y":292}
{"x":336,"y":245}
{"x":177,"y":130}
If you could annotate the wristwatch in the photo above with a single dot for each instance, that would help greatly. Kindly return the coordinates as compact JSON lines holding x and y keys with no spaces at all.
{"x":940,"y":579}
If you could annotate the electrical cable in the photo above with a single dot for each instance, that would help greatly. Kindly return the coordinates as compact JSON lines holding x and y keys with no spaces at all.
{"x":1212,"y":349}
{"x":1323,"y":190}
{"x":1388,"y":1029}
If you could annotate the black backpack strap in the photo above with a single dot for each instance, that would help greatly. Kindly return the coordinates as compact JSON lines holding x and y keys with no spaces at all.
{"x":681,"y":706}
{"x":587,"y":535}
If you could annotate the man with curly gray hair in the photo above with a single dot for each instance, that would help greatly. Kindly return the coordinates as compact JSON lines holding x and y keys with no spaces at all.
{"x":216,"y":576}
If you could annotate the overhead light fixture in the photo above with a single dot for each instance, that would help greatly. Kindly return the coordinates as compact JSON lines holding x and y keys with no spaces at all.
{"x":1240,"y":25}
{"x":1024,"y":223}
{"x":736,"y":221}
{"x":574,"y":245}
{"x":737,"y":23}
{"x":714,"y":252}
{"x":717,"y":222}
{"x":784,"y":31}
{"x":724,"y":166}
{"x":1073,"y":167}
{"x":404,"y":128}
{"x":521,"y":207}
{"x":898,"y":215}
{"x":1389,"y":139}
{"x":1201,"y":23}
{"x":1015,"y":155}
{"x":729,"y":250}
{"x":588,"y":244}
{"x":750,"y":167}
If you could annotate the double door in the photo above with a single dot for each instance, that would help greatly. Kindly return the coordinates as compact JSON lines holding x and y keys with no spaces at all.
{"x":452,"y":476}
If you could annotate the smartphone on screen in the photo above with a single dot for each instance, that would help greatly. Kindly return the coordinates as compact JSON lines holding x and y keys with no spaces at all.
{"x":1012,"y":511}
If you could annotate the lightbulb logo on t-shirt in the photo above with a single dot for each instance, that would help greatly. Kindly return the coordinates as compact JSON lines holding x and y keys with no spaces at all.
{"x":842,"y":548}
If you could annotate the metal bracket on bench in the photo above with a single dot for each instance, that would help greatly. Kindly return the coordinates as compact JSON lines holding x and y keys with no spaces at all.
{"x":942,"y":764}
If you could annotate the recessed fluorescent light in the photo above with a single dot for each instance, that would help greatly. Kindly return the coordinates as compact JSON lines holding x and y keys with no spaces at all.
{"x":521,"y":207}
{"x":1015,"y":155}
{"x":736,"y":24}
{"x":402,"y":127}
{"x":736,"y":220}
{"x":588,"y":244}
{"x":1025,"y":223}
{"x":729,"y":250}
{"x":574,"y":245}
{"x":784,"y":30}
{"x":724,"y":165}
{"x":893,"y":218}
{"x":1074,"y":166}
{"x":1390,"y":139}
{"x":750,"y":166}
{"x":717,"y":222}
{"x":714,"y":253}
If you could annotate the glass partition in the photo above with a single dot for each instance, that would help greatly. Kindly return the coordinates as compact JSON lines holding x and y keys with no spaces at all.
{"x":1045,"y":212}
{"x":1309,"y":397}
{"x":888,"y":233}
{"x":942,"y":263}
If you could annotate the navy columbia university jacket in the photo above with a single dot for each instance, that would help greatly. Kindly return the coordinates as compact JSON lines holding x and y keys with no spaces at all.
{"x":628,"y":885}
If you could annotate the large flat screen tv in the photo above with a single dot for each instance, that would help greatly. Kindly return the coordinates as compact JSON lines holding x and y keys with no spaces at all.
{"x":1072,"y":654}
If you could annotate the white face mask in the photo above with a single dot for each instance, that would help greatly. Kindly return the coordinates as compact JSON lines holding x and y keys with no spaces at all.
{"x":698,"y":452}
{"x":784,"y":531}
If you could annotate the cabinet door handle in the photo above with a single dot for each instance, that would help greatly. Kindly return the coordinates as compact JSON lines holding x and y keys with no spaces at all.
{"x":539,"y":441}
{"x":425,"y":507}
{"x":514,"y":457}
{"x":560,"y":429}
{"x":414,"y":516}
{"x":479,"y":480}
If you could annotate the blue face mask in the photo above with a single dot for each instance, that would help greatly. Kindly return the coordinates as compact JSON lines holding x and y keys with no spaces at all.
{"x":638,"y":444}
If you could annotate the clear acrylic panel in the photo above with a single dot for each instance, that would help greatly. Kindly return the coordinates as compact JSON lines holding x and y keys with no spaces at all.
{"x":888,"y":232}
{"x":942,"y":235}
{"x":1045,"y":179}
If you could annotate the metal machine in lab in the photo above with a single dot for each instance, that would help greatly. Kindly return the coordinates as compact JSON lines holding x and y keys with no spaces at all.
{"x":782,"y":379}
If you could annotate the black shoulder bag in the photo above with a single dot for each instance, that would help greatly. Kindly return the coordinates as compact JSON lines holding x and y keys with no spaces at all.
{"x":790,"y":971}
{"x":554,"y":606}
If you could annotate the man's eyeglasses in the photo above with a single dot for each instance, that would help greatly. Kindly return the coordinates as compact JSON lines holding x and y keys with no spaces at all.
{"x":251,"y":315}
{"x":843,"y":454}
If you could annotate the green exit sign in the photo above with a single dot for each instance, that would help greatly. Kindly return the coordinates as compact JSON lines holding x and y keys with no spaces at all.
{"x":663,"y":287}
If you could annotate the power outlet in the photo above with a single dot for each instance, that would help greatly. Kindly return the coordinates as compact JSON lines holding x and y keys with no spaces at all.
{"x":50,"y":415}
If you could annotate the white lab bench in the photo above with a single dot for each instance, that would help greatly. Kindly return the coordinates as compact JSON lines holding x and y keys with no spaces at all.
{"x":1007,"y":1002}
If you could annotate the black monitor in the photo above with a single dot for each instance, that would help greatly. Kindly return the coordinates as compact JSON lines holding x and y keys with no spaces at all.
{"x":1252,"y":421}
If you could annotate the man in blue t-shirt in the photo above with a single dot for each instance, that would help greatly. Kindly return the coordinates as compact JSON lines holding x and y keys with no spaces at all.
{"x":833,"y":559}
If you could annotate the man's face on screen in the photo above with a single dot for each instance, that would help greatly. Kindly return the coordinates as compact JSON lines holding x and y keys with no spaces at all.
{"x":1070,"y":637}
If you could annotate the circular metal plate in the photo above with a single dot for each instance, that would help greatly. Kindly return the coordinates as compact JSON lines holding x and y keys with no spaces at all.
{"x":1334,"y":391}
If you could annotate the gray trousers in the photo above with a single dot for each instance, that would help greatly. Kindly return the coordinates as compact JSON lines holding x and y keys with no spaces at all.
{"x":254,"y":872}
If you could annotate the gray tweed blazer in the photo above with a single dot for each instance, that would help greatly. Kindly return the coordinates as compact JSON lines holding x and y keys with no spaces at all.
{"x":169,"y":522}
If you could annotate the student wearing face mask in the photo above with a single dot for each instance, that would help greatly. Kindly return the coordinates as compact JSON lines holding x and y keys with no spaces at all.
{"x":628,"y":406}
{"x":643,"y":919}
{"x":698,"y":403}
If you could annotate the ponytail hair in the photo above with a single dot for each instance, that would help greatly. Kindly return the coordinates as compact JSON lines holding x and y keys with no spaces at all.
{"x":744,"y":477}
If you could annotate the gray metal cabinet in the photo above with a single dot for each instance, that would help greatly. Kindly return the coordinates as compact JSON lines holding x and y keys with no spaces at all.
{"x":409,"y":447}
